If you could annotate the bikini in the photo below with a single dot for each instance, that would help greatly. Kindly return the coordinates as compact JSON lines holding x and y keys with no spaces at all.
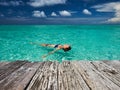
{"x":56,"y":46}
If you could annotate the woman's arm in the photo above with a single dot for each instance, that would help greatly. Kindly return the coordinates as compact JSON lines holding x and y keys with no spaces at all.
{"x":50,"y":53}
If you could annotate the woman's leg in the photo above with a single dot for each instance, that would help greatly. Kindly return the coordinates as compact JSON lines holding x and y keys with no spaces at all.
{"x":48,"y":45}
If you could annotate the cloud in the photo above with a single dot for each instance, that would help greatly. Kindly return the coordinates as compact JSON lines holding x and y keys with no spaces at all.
{"x":40,"y":3}
{"x":39,"y":14}
{"x":110,"y":7}
{"x":4,"y":4}
{"x":53,"y":14}
{"x":1,"y":15}
{"x":87,"y":12}
{"x":11,"y":3}
{"x":65,"y":13}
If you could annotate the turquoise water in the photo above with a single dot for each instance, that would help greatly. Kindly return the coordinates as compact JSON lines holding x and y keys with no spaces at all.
{"x":95,"y":42}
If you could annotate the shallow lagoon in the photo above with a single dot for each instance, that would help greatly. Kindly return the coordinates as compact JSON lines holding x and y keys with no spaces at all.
{"x":89,"y":42}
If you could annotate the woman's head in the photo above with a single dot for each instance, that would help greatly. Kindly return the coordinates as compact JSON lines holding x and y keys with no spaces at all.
{"x":66,"y":48}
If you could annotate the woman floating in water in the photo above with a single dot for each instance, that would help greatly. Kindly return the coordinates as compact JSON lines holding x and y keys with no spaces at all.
{"x":57,"y":47}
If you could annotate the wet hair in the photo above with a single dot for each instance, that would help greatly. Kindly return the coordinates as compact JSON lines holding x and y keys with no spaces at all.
{"x":67,"y":49}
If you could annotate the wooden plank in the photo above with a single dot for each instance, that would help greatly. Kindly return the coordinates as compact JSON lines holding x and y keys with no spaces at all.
{"x":39,"y":78}
{"x":68,"y":75}
{"x":3,"y":63}
{"x":82,"y":84}
{"x":69,"y":78}
{"x":53,"y":79}
{"x":94,"y":79}
{"x":19,"y":79}
{"x":113,"y":63}
{"x":85,"y":75}
{"x":108,"y":71}
{"x":62,"y":78}
{"x":9,"y":68}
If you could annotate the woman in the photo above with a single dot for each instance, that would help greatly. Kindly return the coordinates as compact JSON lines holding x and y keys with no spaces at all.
{"x":57,"y":47}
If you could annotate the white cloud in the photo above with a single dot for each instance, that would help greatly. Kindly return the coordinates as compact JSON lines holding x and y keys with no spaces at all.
{"x":4,"y":3}
{"x":110,"y":7}
{"x":87,"y":12}
{"x":39,"y":14}
{"x":65,"y":13}
{"x":2,"y":15}
{"x":12,"y":3}
{"x":53,"y":14}
{"x":40,"y":3}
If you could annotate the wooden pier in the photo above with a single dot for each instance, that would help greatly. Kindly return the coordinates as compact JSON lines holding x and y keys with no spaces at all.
{"x":68,"y":75}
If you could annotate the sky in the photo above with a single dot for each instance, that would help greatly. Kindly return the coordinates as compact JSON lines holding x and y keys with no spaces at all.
{"x":47,"y":12}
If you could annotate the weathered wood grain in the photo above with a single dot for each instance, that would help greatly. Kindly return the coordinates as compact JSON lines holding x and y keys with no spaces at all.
{"x":19,"y":78}
{"x":94,"y":78}
{"x":9,"y":68}
{"x":108,"y":71}
{"x":68,"y":75}
{"x":113,"y":63}
{"x":3,"y":63}
{"x":69,"y":78}
{"x":39,"y":78}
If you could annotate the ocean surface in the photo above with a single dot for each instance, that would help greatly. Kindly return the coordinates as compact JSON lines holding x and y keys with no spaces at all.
{"x":88,"y":42}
